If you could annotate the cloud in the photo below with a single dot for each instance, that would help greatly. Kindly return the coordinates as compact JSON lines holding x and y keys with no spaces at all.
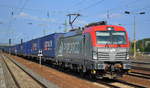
{"x":28,"y":16}
{"x":22,"y":14}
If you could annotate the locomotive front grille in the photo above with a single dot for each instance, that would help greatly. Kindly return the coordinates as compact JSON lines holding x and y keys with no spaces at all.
{"x":103,"y":55}
{"x":112,"y":53}
{"x":121,"y":55}
{"x":115,"y":55}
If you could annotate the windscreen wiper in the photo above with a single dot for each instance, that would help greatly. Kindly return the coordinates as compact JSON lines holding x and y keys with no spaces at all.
{"x":107,"y":44}
{"x":118,"y":45}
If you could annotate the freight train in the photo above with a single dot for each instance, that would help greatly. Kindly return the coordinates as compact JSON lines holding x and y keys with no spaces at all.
{"x":98,"y":49}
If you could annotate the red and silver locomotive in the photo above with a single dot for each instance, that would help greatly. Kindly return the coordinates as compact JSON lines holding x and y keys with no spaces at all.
{"x":99,"y":49}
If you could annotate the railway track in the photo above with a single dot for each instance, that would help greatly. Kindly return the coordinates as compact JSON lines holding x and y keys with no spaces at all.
{"x":139,"y":65}
{"x":11,"y":73}
{"x":130,"y":84}
{"x":115,"y":83}
{"x":140,"y":75}
{"x":20,"y":75}
{"x":142,"y":66}
{"x":121,"y":83}
{"x":8,"y":78}
{"x":22,"y":78}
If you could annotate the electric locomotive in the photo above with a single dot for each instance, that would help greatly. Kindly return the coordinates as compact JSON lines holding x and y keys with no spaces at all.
{"x":99,"y":49}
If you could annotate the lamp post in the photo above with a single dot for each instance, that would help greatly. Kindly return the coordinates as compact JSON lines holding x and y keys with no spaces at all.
{"x":134,"y":29}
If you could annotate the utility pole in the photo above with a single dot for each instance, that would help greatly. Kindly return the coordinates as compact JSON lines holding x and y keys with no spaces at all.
{"x":134,"y":41}
{"x":44,"y":32}
{"x":71,"y":21}
{"x":134,"y":29}
{"x":9,"y":45}
{"x":21,"y":41}
{"x":65,"y":26}
{"x":108,"y":16}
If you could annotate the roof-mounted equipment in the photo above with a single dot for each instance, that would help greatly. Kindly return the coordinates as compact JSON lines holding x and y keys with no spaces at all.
{"x":96,"y":23}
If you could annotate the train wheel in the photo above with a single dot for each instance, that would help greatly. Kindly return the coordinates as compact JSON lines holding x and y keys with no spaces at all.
{"x":92,"y":77}
{"x":82,"y":74}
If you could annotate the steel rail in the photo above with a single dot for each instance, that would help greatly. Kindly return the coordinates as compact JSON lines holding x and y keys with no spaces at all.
{"x":129,"y":84}
{"x":12,"y":75}
{"x":140,"y":75}
{"x":44,"y":83}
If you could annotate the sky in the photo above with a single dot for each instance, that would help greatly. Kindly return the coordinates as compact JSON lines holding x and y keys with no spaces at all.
{"x":30,"y":19}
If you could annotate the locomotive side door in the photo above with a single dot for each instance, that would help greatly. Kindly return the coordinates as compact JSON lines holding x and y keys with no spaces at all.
{"x":87,"y":47}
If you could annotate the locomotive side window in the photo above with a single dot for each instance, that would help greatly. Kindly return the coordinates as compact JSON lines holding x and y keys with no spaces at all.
{"x":111,"y":37}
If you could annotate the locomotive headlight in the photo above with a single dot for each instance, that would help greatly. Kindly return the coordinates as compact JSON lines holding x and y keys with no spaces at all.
{"x":94,"y":55}
{"x":110,"y":28}
{"x":127,"y":56}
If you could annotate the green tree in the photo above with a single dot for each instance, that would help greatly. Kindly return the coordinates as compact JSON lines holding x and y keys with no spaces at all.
{"x":147,"y":48}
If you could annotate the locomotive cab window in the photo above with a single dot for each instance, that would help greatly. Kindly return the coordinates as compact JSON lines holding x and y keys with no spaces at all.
{"x":111,"y":37}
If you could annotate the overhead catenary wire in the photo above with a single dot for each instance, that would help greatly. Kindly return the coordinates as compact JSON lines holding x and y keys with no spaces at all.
{"x":124,"y":6}
{"x":12,"y":14}
{"x":128,"y":5}
{"x":23,"y":6}
{"x":28,"y":9}
{"x":14,"y":8}
{"x":35,"y":10}
{"x":144,"y":8}
{"x":91,"y":5}
{"x":79,"y":3}
{"x":108,"y":10}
